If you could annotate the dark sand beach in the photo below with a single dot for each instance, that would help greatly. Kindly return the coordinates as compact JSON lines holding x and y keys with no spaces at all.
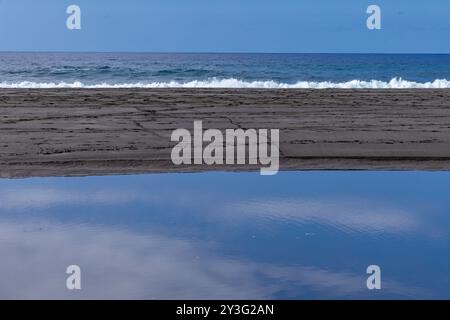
{"x":73,"y":132}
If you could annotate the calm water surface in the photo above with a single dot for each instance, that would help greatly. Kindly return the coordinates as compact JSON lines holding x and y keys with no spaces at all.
{"x":221,"y":235}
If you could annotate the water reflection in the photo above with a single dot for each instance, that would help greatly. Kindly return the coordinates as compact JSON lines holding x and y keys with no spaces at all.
{"x":217,"y":235}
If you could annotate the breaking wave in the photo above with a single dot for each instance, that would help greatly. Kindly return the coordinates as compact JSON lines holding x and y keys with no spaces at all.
{"x":396,"y":83}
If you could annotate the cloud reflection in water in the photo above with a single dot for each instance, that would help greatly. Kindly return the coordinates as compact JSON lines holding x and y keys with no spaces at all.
{"x":185,"y":236}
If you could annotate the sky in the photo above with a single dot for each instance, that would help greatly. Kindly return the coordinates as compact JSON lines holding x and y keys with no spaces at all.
{"x":408,"y":26}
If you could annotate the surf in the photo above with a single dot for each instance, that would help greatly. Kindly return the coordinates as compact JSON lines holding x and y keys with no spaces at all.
{"x":233,"y":83}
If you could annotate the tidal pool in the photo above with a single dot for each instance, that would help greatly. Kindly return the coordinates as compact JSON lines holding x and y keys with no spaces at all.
{"x":296,"y":235}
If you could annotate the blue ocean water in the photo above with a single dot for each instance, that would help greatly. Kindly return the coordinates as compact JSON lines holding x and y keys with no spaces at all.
{"x":227,"y":236}
{"x":224,"y":70}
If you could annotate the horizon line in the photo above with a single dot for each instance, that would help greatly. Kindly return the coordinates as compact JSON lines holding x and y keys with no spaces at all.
{"x":224,"y":52}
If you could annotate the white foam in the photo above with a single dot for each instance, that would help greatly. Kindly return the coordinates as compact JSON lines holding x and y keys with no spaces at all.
{"x":396,"y":83}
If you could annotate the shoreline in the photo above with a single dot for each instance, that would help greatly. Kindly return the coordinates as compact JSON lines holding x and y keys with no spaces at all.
{"x":80,"y":132}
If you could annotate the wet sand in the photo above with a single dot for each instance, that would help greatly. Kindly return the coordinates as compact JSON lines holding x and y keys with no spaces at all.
{"x":76,"y":132}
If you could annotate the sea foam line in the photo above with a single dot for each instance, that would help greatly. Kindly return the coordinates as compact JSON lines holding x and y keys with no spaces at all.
{"x":395,"y":83}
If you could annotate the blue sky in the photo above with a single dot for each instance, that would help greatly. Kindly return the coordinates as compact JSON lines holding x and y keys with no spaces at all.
{"x":408,"y":26}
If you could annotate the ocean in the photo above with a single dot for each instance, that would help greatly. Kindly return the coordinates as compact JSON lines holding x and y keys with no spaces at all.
{"x":204,"y":70}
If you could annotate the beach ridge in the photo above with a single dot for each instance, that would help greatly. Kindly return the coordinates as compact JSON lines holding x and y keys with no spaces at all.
{"x":76,"y":132}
